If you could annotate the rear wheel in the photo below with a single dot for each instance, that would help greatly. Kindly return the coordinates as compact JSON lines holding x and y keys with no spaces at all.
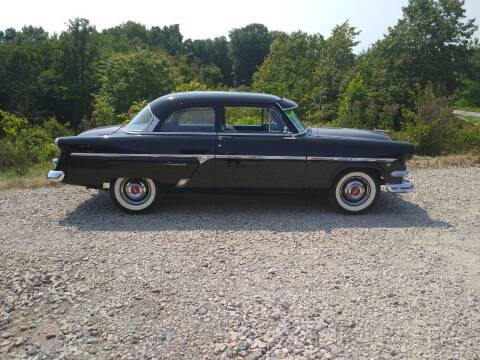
{"x":354,"y":192}
{"x":134,"y":195}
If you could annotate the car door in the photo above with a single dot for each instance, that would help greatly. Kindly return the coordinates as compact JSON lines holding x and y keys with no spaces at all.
{"x":185,"y":141}
{"x":254,"y":151}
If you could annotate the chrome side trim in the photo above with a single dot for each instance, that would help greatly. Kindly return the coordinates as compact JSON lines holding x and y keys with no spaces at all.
{"x":182,"y":183}
{"x":404,"y":187}
{"x":204,"y":157}
{"x":200,"y":157}
{"x":117,"y":155}
{"x":260,"y":157}
{"x":327,"y":158}
{"x":55,"y":176}
{"x":401,"y":173}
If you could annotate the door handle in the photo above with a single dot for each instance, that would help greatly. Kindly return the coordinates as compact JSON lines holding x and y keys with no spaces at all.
{"x":224,"y":137}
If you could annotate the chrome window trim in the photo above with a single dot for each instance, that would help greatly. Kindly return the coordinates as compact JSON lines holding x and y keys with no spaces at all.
{"x":204,"y":157}
{"x":276,"y":134}
{"x":167,"y":133}
{"x":280,"y":135}
{"x":153,"y":123}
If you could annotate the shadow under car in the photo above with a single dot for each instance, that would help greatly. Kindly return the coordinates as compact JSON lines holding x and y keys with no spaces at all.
{"x":273,"y":212}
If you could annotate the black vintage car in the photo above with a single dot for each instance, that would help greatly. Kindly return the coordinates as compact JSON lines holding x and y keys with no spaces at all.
{"x":225,"y":140}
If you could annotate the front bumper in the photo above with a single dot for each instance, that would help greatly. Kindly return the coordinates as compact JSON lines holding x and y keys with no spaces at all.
{"x":405,"y":186}
{"x":55,"y":176}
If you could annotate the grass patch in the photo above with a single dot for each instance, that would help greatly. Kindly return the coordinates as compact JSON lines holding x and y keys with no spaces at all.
{"x":460,"y":160}
{"x":32,"y":176}
{"x":468,"y":108}
{"x":470,"y":119}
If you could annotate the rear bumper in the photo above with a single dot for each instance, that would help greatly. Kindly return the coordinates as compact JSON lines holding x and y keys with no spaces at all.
{"x":55,"y":176}
{"x":405,"y":186}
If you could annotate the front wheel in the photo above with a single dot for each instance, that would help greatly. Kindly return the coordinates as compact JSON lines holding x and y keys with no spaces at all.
{"x":134,"y":195}
{"x":354,"y":192}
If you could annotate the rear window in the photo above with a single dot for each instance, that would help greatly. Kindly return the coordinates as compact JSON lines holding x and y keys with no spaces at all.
{"x":190,"y":120}
{"x":140,"y":121}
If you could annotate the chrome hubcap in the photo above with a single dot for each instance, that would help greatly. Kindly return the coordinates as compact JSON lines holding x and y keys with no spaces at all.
{"x":355,"y":191}
{"x":135,"y":191}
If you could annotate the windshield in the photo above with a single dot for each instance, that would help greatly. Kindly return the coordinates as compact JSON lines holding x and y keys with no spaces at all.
{"x":141,"y":120}
{"x":296,"y":121}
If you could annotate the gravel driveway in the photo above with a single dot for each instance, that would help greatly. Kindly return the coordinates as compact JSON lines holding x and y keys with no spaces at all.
{"x":242,"y":276}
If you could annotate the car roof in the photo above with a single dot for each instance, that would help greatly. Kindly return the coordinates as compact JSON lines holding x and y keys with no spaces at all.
{"x":174,"y":100}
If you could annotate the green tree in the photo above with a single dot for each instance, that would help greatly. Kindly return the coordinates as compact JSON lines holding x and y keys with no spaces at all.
{"x":76,"y":69}
{"x":127,"y":78}
{"x":168,"y":38}
{"x":353,"y":107}
{"x":284,"y":73}
{"x":468,"y":92}
{"x":314,"y":78}
{"x":248,"y":47}
{"x":193,"y":85}
{"x":211,"y":52}
{"x":431,"y":43}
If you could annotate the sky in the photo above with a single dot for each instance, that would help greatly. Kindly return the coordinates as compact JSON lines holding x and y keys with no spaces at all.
{"x":201,"y":19}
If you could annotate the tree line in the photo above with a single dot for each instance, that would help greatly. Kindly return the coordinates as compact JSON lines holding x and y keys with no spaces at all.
{"x":404,"y":82}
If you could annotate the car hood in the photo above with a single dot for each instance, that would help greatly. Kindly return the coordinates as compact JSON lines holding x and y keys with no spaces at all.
{"x":349,"y":133}
{"x":101,"y":131}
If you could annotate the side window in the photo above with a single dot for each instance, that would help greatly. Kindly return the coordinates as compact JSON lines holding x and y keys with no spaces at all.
{"x":252,"y":119}
{"x":190,"y":120}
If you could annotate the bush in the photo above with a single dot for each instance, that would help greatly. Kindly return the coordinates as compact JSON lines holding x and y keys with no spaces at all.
{"x":22,"y":144}
{"x":11,"y":125}
{"x":37,"y":142}
{"x":435,"y":131}
{"x":11,"y":155}
{"x":104,"y":112}
{"x":54,"y":129}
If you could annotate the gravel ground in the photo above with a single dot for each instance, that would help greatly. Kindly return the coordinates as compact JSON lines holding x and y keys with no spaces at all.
{"x":253,"y":277}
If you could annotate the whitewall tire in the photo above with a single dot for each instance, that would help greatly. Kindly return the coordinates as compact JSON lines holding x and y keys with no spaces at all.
{"x":354,"y":192}
{"x":134,"y":195}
